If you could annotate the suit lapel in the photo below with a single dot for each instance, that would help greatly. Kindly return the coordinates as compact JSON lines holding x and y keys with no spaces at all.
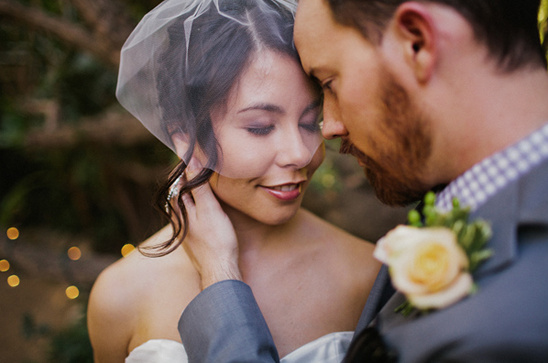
{"x":501,"y":213}
{"x":380,"y":293}
{"x":513,"y":206}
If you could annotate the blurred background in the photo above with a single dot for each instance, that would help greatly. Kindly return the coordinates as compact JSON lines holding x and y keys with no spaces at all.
{"x":78,"y":173}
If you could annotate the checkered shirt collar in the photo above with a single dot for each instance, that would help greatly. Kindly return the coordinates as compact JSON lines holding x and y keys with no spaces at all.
{"x":492,"y":174}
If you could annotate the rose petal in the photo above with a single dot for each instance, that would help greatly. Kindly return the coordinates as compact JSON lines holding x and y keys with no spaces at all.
{"x":395,"y":241}
{"x":402,"y":248}
{"x":381,"y":252}
{"x":451,"y":294}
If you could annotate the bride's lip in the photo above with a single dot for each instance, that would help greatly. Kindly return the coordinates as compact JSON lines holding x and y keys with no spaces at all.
{"x":285,"y":192}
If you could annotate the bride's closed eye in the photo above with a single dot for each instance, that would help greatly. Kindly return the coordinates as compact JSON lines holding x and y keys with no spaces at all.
{"x":260,"y":130}
{"x":311,"y":126}
{"x":310,"y":121}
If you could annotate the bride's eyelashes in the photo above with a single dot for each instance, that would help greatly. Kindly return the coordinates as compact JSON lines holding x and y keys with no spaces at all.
{"x":311,"y":127}
{"x":311,"y":122}
{"x":260,"y":130}
{"x":263,"y":131}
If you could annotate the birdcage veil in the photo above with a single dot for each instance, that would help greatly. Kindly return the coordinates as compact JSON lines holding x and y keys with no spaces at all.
{"x":176,"y":62}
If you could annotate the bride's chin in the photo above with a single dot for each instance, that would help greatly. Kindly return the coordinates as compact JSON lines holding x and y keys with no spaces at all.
{"x":282,"y":219}
{"x":275,"y":218}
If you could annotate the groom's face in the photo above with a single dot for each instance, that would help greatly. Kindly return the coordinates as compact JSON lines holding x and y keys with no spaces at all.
{"x":365,"y":105}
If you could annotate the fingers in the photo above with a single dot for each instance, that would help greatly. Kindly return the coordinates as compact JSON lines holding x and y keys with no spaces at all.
{"x":211,"y":242}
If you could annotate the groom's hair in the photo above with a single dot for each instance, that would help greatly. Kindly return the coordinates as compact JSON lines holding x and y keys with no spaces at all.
{"x":508,"y":28}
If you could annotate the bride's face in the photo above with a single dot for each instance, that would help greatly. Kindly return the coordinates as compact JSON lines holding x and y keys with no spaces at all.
{"x":269,"y":139}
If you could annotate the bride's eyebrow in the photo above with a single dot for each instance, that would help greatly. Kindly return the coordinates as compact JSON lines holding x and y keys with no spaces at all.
{"x":263,"y":107}
{"x":312,"y":106}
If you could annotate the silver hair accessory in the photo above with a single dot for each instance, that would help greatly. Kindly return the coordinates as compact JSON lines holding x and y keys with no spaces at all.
{"x":173,"y":191}
{"x":179,"y":64}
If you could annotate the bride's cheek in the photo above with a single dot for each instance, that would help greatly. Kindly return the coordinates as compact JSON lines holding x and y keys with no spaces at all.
{"x":317,"y":159}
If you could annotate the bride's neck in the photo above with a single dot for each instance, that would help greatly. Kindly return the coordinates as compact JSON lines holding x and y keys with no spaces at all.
{"x":255,"y":236}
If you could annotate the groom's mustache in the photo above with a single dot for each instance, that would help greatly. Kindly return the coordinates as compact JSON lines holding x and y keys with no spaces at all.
{"x":347,"y":147}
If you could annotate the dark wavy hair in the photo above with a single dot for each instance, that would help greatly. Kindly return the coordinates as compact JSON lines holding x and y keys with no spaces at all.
{"x":508,"y":28}
{"x":219,"y":51}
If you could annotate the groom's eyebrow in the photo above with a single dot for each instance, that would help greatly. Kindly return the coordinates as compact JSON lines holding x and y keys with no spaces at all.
{"x":311,"y":72}
{"x":263,"y":107}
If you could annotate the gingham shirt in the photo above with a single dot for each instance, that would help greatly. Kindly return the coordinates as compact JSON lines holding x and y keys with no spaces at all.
{"x":490,"y":175}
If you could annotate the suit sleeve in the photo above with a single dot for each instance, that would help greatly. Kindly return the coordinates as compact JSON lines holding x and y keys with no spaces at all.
{"x":224,"y":324}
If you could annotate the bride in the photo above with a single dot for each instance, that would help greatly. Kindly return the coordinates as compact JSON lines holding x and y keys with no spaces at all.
{"x":219,"y":82}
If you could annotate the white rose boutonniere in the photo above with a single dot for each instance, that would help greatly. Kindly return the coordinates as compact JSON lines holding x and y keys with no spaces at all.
{"x":431,"y":262}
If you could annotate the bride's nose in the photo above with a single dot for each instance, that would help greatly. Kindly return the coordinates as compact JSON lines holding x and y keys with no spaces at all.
{"x":293,"y":152}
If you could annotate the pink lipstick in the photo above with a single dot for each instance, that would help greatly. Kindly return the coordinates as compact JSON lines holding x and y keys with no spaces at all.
{"x":286,"y":192}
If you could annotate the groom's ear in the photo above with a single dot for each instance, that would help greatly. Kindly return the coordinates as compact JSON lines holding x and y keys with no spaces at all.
{"x":414,"y":30}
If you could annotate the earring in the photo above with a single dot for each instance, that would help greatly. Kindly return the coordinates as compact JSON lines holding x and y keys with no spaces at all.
{"x":173,"y":191}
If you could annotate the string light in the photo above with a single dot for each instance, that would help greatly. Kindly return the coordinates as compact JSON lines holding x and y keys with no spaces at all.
{"x":4,"y":265}
{"x":72,"y":292}
{"x":13,"y":233}
{"x":14,"y":281}
{"x":74,"y":253}
{"x":127,"y":249}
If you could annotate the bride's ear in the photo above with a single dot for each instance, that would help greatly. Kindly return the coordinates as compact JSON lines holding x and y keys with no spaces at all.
{"x":181,"y":143}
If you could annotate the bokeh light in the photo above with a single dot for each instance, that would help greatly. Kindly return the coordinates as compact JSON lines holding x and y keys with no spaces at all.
{"x":72,"y":292}
{"x":127,"y":249}
{"x":13,"y":233}
{"x":14,"y":281}
{"x":74,"y":253}
{"x":4,"y":265}
{"x":328,"y":180}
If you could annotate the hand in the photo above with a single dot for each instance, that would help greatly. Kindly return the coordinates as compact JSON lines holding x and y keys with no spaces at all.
{"x":211,"y":241}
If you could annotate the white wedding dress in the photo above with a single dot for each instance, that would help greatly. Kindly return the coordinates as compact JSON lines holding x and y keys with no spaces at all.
{"x":330,"y":348}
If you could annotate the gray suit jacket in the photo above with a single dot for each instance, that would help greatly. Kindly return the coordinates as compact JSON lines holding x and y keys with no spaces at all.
{"x":505,"y":321}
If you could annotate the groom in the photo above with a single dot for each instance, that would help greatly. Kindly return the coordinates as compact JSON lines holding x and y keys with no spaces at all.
{"x":440,"y":94}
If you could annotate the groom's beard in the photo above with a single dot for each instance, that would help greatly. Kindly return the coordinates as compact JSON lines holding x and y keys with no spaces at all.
{"x":396,"y":172}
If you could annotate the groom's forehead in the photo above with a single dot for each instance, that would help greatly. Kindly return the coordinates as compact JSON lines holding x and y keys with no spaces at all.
{"x":311,"y":15}
{"x":313,"y":26}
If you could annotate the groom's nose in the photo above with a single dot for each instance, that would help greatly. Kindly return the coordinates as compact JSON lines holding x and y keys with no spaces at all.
{"x":332,"y":126}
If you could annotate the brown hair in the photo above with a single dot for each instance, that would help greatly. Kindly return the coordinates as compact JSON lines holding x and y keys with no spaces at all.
{"x":508,"y":28}
{"x":219,"y":51}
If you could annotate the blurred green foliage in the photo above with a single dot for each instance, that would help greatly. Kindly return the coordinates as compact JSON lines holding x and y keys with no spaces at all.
{"x":73,"y":188}
{"x":543,"y":25}
{"x":71,"y":345}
